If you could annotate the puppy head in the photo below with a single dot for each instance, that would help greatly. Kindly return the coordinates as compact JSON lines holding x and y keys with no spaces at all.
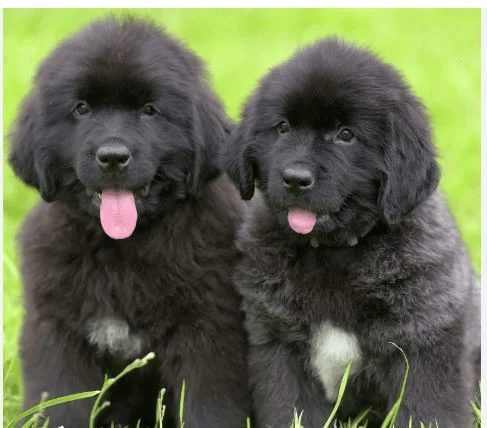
{"x":336,"y":142}
{"x":120,"y":113}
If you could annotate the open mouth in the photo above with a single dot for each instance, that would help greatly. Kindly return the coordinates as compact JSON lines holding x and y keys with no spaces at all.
{"x":303,"y":222}
{"x":118,"y":212}
{"x":97,"y":194}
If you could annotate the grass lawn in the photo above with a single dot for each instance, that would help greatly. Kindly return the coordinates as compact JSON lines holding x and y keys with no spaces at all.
{"x":437,"y":50}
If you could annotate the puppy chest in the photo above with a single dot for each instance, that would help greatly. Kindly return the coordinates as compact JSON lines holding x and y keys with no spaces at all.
{"x":332,"y":348}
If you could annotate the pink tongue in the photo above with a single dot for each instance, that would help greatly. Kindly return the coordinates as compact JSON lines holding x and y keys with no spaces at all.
{"x":301,"y":221}
{"x":118,"y":214}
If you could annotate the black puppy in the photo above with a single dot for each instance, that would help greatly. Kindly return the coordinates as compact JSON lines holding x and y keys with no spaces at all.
{"x":350,"y":248}
{"x":134,"y":251}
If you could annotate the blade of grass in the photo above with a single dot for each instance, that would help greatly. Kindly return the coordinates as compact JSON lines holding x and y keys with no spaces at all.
{"x":297,"y":419}
{"x":11,"y":266}
{"x":392,"y":415}
{"x":6,"y":375}
{"x":46,"y":423}
{"x":477,"y":411}
{"x":181,"y":404}
{"x":97,"y":408}
{"x":103,"y":405}
{"x":360,"y":417}
{"x":341,"y":391}
{"x":53,"y":402}
{"x":33,"y":422}
{"x":160,"y":409}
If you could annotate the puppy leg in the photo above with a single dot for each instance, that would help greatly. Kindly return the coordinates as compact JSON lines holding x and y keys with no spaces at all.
{"x":437,"y":389}
{"x":280,"y":386}
{"x":55,"y":363}
{"x":212,"y":364}
{"x":133,"y":397}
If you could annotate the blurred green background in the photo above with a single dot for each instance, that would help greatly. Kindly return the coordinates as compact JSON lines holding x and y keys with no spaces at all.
{"x":437,"y":51}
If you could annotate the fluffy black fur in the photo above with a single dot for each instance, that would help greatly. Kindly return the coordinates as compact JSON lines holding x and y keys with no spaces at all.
{"x":336,"y":132}
{"x":93,"y":303}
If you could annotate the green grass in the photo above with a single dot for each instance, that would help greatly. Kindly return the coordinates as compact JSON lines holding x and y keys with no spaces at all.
{"x":438,"y":52}
{"x":100,"y":405}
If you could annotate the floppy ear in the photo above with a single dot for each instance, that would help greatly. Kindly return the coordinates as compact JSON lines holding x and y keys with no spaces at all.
{"x":28,"y":159}
{"x":238,"y":163}
{"x":210,"y":129}
{"x":411,"y":172}
{"x":238,"y":155}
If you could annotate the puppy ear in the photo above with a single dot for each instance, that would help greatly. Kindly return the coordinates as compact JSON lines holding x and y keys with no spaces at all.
{"x":238,"y":154}
{"x":29,"y":161}
{"x":239,"y":165}
{"x":210,"y":129}
{"x":411,"y":172}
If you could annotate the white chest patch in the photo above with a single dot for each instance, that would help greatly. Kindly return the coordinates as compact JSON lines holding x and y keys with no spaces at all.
{"x":113,"y":335}
{"x":332,"y":348}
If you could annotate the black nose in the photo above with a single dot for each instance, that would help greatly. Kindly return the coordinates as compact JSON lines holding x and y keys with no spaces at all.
{"x":297,"y":180}
{"x":113,"y":156}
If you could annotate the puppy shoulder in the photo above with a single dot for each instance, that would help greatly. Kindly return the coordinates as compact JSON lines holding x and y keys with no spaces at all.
{"x":43,"y":222}
{"x":430,"y":235}
{"x":51,"y":235}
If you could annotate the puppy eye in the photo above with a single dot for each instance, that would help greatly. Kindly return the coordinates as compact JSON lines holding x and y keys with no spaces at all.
{"x":149,"y":110}
{"x":283,"y":127}
{"x":81,"y":109}
{"x":345,"y":135}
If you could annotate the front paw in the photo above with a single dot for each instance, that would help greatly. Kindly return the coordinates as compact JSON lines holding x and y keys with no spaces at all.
{"x":114,"y":336}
